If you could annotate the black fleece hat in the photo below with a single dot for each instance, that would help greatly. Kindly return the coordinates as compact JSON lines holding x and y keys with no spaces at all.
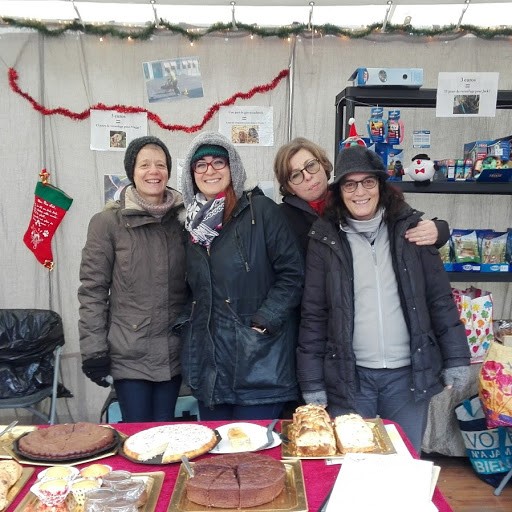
{"x":133,"y":150}
{"x":358,"y":159}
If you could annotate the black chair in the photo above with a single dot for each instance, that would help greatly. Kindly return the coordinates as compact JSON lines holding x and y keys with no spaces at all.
{"x":31,"y":341}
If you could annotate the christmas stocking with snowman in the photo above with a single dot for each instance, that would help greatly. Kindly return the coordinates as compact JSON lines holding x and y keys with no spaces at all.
{"x":50,"y":206}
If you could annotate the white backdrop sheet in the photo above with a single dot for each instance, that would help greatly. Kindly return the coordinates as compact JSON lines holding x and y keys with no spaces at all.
{"x":76,"y":71}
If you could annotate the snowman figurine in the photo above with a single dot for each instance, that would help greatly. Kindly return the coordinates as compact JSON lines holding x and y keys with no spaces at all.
{"x":421,"y":168}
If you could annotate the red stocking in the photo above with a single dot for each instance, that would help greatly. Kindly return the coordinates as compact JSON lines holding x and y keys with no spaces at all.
{"x":50,"y":206}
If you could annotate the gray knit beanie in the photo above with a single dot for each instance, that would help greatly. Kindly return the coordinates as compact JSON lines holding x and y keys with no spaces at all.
{"x":133,"y":150}
{"x":238,"y":175}
{"x":358,"y":159}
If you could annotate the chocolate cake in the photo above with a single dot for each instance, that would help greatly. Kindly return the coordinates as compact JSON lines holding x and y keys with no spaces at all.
{"x":66,"y":442}
{"x":236,"y":480}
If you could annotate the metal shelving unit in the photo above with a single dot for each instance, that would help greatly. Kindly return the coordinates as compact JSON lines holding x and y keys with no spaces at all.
{"x":352,"y":97}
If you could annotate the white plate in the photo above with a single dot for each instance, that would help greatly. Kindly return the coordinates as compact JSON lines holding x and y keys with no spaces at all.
{"x":256,"y":433}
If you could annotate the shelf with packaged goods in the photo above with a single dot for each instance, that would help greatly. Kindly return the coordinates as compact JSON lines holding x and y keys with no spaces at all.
{"x":365,"y":97}
{"x":352,"y":97}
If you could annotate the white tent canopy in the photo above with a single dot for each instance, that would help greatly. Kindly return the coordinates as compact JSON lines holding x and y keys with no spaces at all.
{"x":266,"y":12}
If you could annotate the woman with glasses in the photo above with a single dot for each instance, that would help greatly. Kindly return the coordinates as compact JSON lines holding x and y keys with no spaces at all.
{"x":379,"y":329}
{"x":245,"y":273}
{"x":303,"y":170}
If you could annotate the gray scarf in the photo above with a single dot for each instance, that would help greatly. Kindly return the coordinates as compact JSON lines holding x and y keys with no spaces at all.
{"x":367,"y":228}
{"x":156,"y":210}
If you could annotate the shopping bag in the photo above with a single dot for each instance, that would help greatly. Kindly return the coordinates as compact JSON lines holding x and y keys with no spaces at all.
{"x":475,"y":309}
{"x":495,"y":385}
{"x":489,"y":450}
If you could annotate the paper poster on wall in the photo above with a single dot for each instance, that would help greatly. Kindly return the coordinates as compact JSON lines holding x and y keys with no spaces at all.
{"x":247,"y":125}
{"x":173,"y":79}
{"x":467,"y":94}
{"x":113,"y":185}
{"x":113,"y":131}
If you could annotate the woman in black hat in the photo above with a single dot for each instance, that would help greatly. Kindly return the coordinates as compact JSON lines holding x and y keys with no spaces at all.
{"x":133,"y":288}
{"x":379,"y":330}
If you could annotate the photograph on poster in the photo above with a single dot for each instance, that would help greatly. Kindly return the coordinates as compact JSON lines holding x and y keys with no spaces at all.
{"x":245,"y":134}
{"x":466,"y":104}
{"x":117,"y":139}
{"x":113,"y":185}
{"x":173,"y":79}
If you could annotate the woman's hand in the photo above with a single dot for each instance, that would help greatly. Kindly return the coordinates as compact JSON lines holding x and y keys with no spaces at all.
{"x":425,"y":233}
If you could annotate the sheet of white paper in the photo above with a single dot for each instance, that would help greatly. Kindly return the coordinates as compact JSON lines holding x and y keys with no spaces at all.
{"x":386,"y":483}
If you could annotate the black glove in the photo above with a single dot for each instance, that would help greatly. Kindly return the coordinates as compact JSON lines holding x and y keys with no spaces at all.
{"x":97,"y":369}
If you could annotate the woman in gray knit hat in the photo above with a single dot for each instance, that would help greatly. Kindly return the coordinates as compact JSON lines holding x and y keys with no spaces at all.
{"x":245,"y":273}
{"x":133,"y":287}
{"x":380,"y":333}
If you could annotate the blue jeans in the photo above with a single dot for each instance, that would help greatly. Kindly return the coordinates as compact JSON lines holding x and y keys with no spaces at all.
{"x":143,"y":400}
{"x":386,"y":392}
{"x":240,"y":412}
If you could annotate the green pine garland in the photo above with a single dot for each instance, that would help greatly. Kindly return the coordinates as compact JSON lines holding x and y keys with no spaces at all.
{"x":284,"y":32}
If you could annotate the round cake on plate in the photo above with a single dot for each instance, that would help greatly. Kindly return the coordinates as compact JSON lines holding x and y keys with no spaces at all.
{"x":67,"y":441}
{"x":169,"y":443}
{"x":237,"y":480}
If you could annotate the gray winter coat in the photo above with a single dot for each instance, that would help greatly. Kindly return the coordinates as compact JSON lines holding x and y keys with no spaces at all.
{"x":133,"y":289}
{"x":326,"y":360}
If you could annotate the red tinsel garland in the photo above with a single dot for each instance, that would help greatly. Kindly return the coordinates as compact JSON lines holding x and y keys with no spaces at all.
{"x":125,"y":109}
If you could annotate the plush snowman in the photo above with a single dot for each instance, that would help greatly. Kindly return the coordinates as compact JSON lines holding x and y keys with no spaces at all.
{"x":421,"y":168}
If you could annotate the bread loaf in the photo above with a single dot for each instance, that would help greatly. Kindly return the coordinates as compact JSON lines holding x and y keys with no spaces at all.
{"x":353,"y":434}
{"x":311,"y":432}
{"x":10,"y":472}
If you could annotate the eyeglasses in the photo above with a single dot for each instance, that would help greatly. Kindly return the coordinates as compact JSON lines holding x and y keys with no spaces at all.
{"x":297,"y":177}
{"x":351,"y":186}
{"x":217,"y":164}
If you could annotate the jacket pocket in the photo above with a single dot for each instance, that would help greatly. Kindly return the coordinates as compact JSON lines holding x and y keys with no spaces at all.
{"x":128,"y":336}
{"x":263,"y":361}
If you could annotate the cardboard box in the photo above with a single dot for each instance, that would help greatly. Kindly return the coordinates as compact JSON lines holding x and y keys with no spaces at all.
{"x":476,"y":150}
{"x":385,"y":77}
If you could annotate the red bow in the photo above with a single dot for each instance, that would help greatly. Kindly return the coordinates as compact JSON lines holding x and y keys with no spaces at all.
{"x":417,"y":171}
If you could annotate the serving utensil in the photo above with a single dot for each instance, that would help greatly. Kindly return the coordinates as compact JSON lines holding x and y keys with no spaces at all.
{"x":270,"y":435}
{"x":188,"y":467}
{"x":9,"y":427}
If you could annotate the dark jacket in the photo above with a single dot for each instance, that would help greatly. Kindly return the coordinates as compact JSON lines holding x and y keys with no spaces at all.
{"x":252,"y":271}
{"x":326,"y":360}
{"x":301,"y":216}
{"x":133,"y":289}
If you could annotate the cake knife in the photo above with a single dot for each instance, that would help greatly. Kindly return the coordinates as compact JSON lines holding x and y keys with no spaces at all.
{"x":270,"y":435}
{"x":9,"y":427}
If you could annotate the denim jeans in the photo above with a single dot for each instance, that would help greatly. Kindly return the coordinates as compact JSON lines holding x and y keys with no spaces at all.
{"x":143,"y":400}
{"x":386,"y":392}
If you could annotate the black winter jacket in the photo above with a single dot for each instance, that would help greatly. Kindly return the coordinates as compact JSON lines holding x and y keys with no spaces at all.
{"x":253,"y":272}
{"x":326,"y":359}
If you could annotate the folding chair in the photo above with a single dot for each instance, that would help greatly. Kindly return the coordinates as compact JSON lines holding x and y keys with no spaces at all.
{"x":31,"y":342}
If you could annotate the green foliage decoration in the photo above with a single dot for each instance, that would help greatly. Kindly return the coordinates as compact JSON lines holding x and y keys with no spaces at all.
{"x":143,"y":33}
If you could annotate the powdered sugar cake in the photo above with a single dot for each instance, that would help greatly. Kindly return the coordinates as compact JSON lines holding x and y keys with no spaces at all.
{"x":170,"y":442}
